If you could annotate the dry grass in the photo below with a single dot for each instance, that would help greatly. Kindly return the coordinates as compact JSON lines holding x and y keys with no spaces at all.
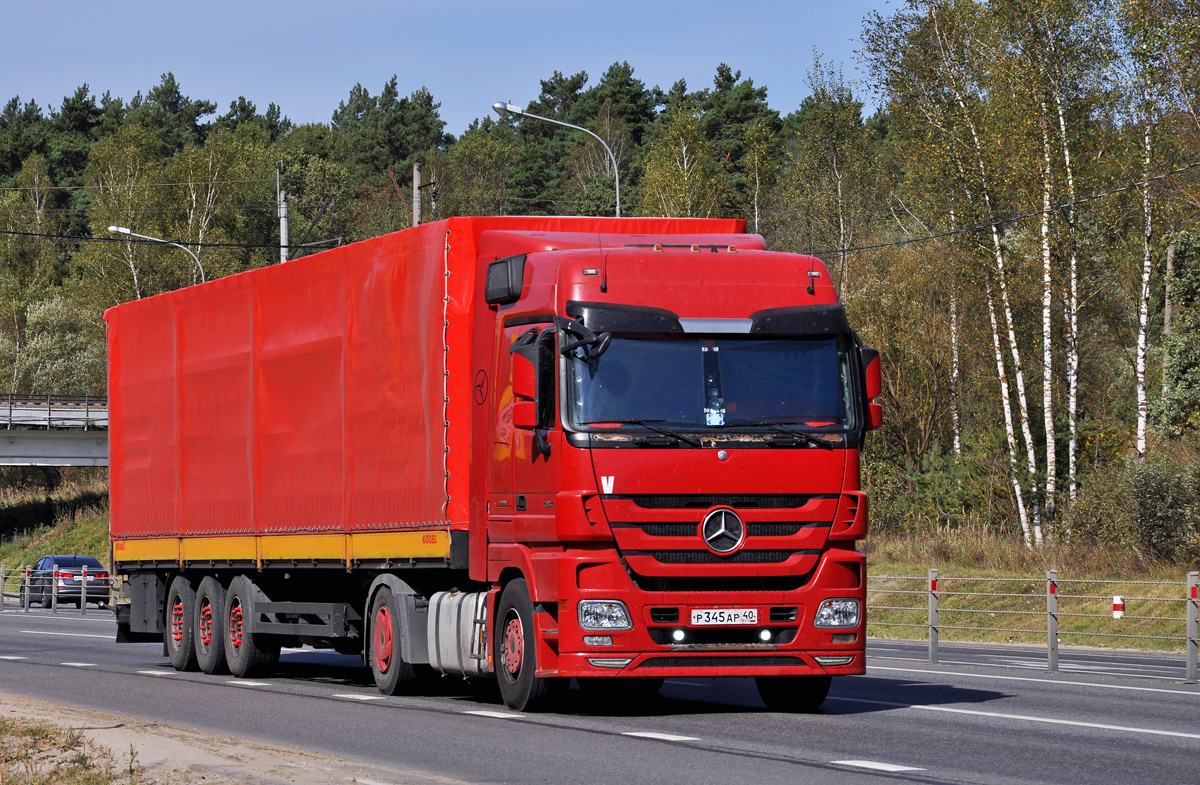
{"x":39,"y":753}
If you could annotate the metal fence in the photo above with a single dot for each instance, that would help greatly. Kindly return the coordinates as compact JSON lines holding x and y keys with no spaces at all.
{"x":1027,"y":609}
{"x":54,"y":412}
{"x":14,"y":585}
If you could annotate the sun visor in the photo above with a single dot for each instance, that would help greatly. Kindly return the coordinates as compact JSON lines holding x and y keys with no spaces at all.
{"x":605,"y":317}
{"x":801,"y":320}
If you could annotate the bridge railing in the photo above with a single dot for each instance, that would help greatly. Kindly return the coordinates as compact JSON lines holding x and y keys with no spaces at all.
{"x":54,"y":412}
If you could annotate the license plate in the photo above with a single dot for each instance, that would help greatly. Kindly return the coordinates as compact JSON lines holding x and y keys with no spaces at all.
{"x":723,"y":616}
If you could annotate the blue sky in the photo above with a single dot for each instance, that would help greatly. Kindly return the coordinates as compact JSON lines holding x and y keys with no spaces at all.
{"x":305,"y":56}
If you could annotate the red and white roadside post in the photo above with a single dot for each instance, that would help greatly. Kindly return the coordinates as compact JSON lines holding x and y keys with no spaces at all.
{"x":1052,"y":621}
{"x":933,"y":617}
{"x":1118,"y":607}
{"x":1193,"y":622}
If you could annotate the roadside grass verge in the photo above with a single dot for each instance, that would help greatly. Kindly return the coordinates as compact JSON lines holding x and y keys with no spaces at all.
{"x":994,"y":590}
{"x":39,"y":753}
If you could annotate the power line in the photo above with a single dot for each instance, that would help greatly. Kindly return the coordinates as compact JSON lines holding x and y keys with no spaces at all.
{"x":88,"y":239}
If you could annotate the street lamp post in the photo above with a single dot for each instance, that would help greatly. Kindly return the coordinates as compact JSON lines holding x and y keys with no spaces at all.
{"x":127,"y":232}
{"x":502,"y":108}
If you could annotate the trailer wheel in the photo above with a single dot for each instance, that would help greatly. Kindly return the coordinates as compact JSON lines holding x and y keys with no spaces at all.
{"x":793,"y":693}
{"x":388,"y":667}
{"x":515,"y":648}
{"x":180,"y":630}
{"x":247,"y":653}
{"x":208,"y":627}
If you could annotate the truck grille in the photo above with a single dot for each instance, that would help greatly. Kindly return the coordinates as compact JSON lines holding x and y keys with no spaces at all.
{"x":707,"y":557}
{"x":754,"y":529}
{"x":690,"y":501}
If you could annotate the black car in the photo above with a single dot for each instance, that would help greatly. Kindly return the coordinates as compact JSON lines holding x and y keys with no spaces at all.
{"x":69,"y":578}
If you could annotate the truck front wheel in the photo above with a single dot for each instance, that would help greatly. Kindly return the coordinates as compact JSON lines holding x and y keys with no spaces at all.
{"x":180,"y":629}
{"x":208,"y":627}
{"x":515,"y":647}
{"x":247,"y":653}
{"x":793,"y":693}
{"x":388,"y":667}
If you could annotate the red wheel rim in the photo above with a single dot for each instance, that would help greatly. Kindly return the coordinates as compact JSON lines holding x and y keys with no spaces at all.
{"x":514,"y":645}
{"x":177,"y":620}
{"x":206,"y":626}
{"x":383,"y":639}
{"x":235,"y":625}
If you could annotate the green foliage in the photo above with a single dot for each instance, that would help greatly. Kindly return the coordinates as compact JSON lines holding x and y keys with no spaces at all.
{"x":1179,"y":410}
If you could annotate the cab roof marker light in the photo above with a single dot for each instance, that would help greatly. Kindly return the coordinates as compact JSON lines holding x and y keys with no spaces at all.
{"x":695,"y":249}
{"x":732,"y":249}
{"x":658,"y":247}
{"x":591,"y":271}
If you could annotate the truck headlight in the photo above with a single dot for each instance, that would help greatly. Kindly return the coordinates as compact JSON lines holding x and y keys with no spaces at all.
{"x":604,"y":615}
{"x":837,"y":613}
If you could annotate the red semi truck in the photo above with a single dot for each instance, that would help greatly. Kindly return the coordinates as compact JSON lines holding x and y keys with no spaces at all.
{"x":520,"y":448}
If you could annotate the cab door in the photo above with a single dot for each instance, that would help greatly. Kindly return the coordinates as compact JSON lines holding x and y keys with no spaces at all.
{"x":537,"y":435}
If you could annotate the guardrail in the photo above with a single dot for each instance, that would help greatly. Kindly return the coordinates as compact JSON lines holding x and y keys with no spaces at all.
{"x":14,"y":585}
{"x":1049,"y":609}
{"x":51,"y":412}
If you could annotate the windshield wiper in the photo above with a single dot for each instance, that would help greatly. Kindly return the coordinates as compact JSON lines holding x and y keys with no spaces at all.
{"x":782,"y":427}
{"x":648,"y":425}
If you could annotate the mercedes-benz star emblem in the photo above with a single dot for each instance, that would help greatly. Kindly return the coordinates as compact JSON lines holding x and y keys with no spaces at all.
{"x":723,"y":531}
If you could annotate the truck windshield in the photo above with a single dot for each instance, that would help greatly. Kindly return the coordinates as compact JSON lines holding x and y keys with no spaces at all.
{"x":699,"y":383}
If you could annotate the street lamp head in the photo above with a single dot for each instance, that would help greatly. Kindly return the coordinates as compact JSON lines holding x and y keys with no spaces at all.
{"x":118,"y":230}
{"x":502,"y":108}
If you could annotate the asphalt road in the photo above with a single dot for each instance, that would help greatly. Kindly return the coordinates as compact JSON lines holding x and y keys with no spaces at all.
{"x":963,"y":721}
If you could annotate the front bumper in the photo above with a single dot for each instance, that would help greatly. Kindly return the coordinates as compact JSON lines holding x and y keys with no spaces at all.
{"x":653,"y":649}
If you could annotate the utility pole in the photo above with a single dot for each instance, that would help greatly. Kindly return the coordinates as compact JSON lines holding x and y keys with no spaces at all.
{"x":282,"y":209}
{"x":417,"y":194}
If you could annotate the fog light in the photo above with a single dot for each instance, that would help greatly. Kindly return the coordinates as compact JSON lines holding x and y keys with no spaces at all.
{"x":604,"y":615}
{"x":837,"y":613}
{"x":678,"y":636}
{"x":831,"y":661}
{"x":597,"y":640}
{"x":845,"y":637}
{"x":609,"y":662}
{"x":764,"y":636}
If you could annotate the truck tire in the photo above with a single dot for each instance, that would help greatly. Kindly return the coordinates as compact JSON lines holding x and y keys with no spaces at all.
{"x":515,"y":647}
{"x":179,"y":630}
{"x":793,"y":693}
{"x":388,"y":667}
{"x":209,"y":627}
{"x":247,"y":654}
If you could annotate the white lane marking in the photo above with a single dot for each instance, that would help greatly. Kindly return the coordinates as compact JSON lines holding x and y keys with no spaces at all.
{"x":366,"y":781}
{"x":154,"y":673}
{"x":244,"y":683}
{"x":11,"y":657}
{"x":79,"y":664}
{"x":357,"y":697}
{"x":1024,"y":717}
{"x":660,"y":736}
{"x":68,"y":634}
{"x":499,"y":715}
{"x":1039,"y":681}
{"x":875,"y":765}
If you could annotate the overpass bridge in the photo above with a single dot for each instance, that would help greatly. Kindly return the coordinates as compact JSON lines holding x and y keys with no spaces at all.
{"x":53,"y":430}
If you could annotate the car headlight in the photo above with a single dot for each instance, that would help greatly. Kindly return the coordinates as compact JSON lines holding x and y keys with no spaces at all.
{"x":837,"y":613}
{"x":604,"y":615}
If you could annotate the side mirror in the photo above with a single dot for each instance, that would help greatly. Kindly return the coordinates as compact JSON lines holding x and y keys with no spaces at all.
{"x":873,"y":382}
{"x":524,"y":377}
{"x":525,"y":415}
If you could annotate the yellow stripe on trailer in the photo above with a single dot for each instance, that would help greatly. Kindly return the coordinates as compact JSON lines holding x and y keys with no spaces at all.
{"x":287,"y":547}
